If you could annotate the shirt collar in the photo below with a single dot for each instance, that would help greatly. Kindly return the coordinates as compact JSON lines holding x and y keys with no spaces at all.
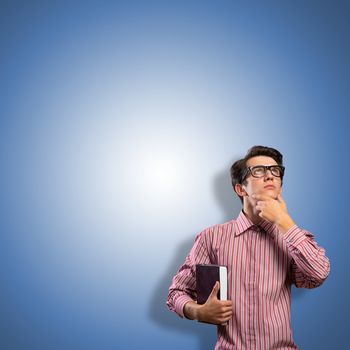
{"x":243,"y":223}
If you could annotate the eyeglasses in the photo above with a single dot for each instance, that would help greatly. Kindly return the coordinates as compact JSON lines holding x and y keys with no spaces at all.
{"x":261,"y":170}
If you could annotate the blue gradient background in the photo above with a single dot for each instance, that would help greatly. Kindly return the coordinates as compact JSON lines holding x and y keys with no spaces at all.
{"x":119,"y":122}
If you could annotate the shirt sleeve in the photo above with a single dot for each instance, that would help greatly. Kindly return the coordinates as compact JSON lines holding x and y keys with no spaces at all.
{"x":310,"y":265}
{"x":183,"y":287}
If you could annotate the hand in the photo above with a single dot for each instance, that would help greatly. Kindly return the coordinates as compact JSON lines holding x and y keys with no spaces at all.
{"x":214,"y":310}
{"x":274,"y":211}
{"x":270,"y":209}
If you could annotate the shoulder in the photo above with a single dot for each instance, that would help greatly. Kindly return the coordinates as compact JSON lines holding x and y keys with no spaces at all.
{"x":218,"y":230}
{"x":214,"y":238}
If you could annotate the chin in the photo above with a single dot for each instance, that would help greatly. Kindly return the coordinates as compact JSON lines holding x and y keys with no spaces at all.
{"x":271,"y":193}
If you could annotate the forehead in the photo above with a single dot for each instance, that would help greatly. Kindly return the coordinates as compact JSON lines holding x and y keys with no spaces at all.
{"x":261,"y":160}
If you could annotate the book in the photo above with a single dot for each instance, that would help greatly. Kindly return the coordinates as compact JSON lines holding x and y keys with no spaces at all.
{"x":206,"y":276}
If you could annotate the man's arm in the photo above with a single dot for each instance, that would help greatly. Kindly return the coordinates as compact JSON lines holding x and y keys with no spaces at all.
{"x":182,"y":292}
{"x":213,"y":311}
{"x":183,"y":287}
{"x":310,"y":265}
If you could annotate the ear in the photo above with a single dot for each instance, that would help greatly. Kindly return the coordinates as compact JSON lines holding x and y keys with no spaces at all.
{"x":240,"y":190}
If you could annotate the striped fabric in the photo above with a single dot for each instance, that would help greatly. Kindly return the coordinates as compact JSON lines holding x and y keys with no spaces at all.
{"x":262,"y":264}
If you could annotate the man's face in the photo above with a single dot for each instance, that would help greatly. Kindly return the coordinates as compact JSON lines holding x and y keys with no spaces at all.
{"x":268,"y":184}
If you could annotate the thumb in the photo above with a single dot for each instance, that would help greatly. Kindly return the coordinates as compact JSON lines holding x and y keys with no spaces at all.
{"x":214,"y":292}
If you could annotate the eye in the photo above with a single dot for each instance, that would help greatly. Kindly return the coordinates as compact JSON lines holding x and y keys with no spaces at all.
{"x":276,"y":170}
{"x":258,"y":171}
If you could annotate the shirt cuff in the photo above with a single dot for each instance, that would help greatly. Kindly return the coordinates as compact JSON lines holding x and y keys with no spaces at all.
{"x":180,"y":303}
{"x":295,"y":236}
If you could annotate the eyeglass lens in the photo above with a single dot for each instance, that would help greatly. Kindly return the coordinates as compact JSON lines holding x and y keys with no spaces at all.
{"x":260,"y":170}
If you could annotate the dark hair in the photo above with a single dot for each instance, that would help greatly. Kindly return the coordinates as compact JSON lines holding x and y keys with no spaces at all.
{"x":238,"y":168}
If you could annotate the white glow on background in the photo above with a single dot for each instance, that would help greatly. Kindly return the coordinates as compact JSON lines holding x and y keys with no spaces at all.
{"x":161,"y":173}
{"x":157,"y":168}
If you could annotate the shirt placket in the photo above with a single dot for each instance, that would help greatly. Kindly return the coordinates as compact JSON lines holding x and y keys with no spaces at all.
{"x":252,"y":289}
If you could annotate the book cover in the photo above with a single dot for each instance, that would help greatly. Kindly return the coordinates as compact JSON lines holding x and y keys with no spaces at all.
{"x":206,"y":276}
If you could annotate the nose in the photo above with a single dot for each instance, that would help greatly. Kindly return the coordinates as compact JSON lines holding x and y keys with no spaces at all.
{"x":268,"y":175}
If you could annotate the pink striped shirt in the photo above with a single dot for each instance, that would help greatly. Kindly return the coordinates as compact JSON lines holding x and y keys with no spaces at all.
{"x":262,"y":264}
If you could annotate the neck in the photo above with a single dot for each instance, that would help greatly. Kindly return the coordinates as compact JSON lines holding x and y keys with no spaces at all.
{"x":251,"y":213}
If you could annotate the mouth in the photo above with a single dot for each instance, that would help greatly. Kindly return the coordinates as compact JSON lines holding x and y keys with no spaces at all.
{"x":270,"y":187}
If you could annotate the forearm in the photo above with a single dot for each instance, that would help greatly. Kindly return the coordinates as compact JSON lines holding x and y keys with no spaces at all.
{"x":219,"y":313}
{"x":191,"y":310}
{"x":310,"y":263}
{"x":212,"y":311}
{"x":177,"y":300}
{"x":284,"y":223}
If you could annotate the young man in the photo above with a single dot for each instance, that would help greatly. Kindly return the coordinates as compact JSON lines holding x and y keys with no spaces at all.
{"x":264,"y":251}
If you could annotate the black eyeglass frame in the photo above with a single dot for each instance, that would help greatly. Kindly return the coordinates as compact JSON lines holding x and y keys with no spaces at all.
{"x":266,"y":167}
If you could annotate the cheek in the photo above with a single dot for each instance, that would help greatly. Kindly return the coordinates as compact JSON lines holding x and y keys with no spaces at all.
{"x":257,"y":183}
{"x":252,"y":187}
